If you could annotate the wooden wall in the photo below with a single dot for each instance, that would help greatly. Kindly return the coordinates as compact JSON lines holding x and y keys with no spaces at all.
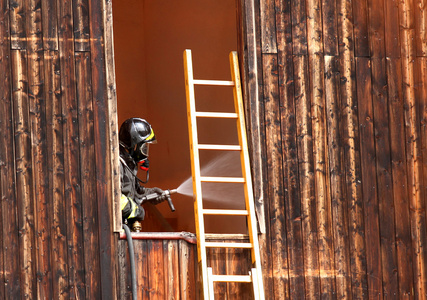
{"x":165,"y":266}
{"x":336,"y":94}
{"x":56,"y":99}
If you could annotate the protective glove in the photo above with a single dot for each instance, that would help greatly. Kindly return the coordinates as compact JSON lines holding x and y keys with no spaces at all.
{"x":160,"y":198}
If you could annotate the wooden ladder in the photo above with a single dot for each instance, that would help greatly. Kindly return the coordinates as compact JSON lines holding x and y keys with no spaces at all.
{"x":254,"y":276}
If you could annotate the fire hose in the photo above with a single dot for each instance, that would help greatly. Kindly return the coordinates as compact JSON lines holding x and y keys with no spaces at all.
{"x":132,"y":262}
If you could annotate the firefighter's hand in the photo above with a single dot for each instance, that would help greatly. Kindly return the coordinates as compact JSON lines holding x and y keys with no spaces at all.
{"x":161,"y":196}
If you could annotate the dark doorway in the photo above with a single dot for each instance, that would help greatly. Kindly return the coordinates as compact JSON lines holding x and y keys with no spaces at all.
{"x":150,"y":37}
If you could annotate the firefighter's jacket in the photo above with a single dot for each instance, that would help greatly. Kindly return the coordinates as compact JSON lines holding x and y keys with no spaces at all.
{"x":132,"y":191}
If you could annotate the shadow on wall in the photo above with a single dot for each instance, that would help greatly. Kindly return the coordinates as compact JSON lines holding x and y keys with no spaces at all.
{"x":150,"y":37}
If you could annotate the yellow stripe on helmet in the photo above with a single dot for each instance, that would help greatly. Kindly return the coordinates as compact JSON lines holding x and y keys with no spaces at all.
{"x":151,"y":136}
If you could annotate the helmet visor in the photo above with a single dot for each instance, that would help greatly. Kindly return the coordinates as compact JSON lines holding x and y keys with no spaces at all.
{"x":143,"y":149}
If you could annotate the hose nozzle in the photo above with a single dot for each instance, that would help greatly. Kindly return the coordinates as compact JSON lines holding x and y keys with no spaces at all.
{"x":168,"y":193}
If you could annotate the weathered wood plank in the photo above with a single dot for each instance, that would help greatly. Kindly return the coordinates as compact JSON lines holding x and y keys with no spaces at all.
{"x":392,"y":40}
{"x":399,"y":175}
{"x":3,"y":246}
{"x":421,"y":27}
{"x":171,"y":268}
{"x":81,"y":25}
{"x":360,"y":24}
{"x":142,"y":258}
{"x":156,"y":281}
{"x":350,"y":138}
{"x":369,"y":183}
{"x":320,"y":154}
{"x":112,"y":109}
{"x":314,"y":28}
{"x":34,"y":27}
{"x":376,"y":28}
{"x":268,"y":27}
{"x":123,"y":269}
{"x":284,"y":57}
{"x":71,"y":152}
{"x":415,"y":177}
{"x":102,"y":142}
{"x":88,"y":176}
{"x":421,"y":80}
{"x":39,"y":148}
{"x":11,"y":282}
{"x":306,"y":176}
{"x":24,"y":179}
{"x":18,"y":34}
{"x":55,"y":157}
{"x":407,"y":29}
{"x":337,"y":179}
{"x":384,"y":177}
{"x":279,"y":255}
{"x":255,"y":120}
{"x":289,"y":153}
{"x":188,"y":277}
{"x":330,"y":33}
{"x":321,"y":174}
{"x":50,"y":24}
{"x":299,"y":27}
{"x":413,"y":148}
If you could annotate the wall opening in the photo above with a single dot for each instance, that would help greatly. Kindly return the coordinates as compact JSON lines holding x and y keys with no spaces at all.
{"x":149,"y":39}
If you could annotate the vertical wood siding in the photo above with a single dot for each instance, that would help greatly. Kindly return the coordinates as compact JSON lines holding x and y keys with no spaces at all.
{"x":166,"y":269}
{"x":344,"y":123}
{"x":57,"y":234}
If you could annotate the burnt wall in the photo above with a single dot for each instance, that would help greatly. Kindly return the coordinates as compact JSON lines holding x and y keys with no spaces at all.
{"x":336,"y":100}
{"x":55,"y":156}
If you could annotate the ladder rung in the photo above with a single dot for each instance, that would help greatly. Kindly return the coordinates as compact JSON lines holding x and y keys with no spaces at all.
{"x":227,"y":245}
{"x":230,"y":212}
{"x":231,"y":278}
{"x":222,"y":179}
{"x":213,"y":82}
{"x":205,"y":114}
{"x":219,"y":147}
{"x":226,"y":236}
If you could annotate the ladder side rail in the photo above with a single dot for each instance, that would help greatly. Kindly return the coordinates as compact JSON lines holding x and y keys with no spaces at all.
{"x":195,"y":169}
{"x":250,"y":206}
{"x":210,"y":284}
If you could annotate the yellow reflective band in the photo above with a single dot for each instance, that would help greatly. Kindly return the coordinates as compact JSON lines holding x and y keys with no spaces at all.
{"x":123,"y":201}
{"x":150,"y":136}
{"x":134,"y":208}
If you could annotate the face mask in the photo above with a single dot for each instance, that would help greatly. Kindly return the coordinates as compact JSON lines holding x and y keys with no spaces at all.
{"x":143,"y":149}
{"x":140,"y":153}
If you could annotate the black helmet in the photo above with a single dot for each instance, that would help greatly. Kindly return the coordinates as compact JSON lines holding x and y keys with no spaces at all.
{"x":134,"y":135}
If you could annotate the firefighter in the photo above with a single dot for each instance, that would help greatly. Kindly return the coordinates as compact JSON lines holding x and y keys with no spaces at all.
{"x":135,"y":137}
